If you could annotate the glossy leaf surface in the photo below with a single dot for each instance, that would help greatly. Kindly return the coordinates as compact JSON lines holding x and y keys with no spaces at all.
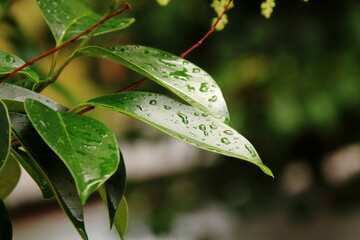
{"x":35,"y":171}
{"x":9,"y":177}
{"x":9,"y":91}
{"x":69,"y":18}
{"x":9,"y":62}
{"x":4,"y":133}
{"x":86,"y":146}
{"x":122,"y":218}
{"x":56,"y":172}
{"x":5,"y":223}
{"x":180,"y":76}
{"x":115,"y":189}
{"x":182,"y":122}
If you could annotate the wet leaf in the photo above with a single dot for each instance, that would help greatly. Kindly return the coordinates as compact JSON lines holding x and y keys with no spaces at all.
{"x":34,"y":170}
{"x":113,"y":190}
{"x":69,"y":18}
{"x":122,"y":218}
{"x":9,"y":62}
{"x":9,"y":91}
{"x":4,"y":133}
{"x":5,"y":223}
{"x":183,"y":122}
{"x":180,"y":76}
{"x":9,"y":177}
{"x":56,"y":172}
{"x":86,"y":146}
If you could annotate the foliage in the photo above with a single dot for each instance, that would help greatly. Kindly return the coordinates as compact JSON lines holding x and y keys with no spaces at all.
{"x":70,"y":156}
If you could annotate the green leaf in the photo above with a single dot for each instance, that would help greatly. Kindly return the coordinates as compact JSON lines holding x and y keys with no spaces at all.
{"x":35,"y":171}
{"x":9,"y":177}
{"x":182,"y":122}
{"x":122,"y":218}
{"x":9,"y":91}
{"x":57,"y":174}
{"x":9,"y":62}
{"x":4,"y":133}
{"x":180,"y":76}
{"x":5,"y":223}
{"x":69,"y":18}
{"x":113,"y":190}
{"x":86,"y":146}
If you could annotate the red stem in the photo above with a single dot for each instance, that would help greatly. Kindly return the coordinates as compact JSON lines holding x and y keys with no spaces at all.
{"x":102,"y":21}
{"x":184,"y":54}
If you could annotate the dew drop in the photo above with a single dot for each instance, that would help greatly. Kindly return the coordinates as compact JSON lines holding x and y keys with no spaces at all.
{"x":213,"y":99}
{"x":167,"y":107}
{"x":225,"y":141}
{"x":196,"y":70}
{"x":202,"y":127}
{"x":206,"y":133}
{"x":196,"y":114}
{"x":190,"y":88}
{"x":228,"y":132}
{"x":250,"y":149}
{"x":183,"y":117}
{"x":139,"y":107}
{"x":153,"y":102}
{"x":9,"y":59}
{"x":213,"y":127}
{"x":205,"y":114}
{"x":146,"y":52}
{"x":204,"y":87}
{"x":181,"y":75}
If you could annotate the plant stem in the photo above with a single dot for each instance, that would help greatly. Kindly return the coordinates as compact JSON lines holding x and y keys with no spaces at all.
{"x":102,"y":21}
{"x":184,"y":54}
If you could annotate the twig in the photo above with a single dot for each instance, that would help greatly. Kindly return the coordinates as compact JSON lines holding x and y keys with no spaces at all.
{"x":102,"y":21}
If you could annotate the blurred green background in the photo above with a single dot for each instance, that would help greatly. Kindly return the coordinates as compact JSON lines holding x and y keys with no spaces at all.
{"x":292,"y":84}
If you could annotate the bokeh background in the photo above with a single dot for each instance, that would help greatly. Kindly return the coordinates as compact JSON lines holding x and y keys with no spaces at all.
{"x":292,"y":84}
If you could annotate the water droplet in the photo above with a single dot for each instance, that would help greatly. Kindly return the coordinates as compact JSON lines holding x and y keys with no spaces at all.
{"x":202,"y":127}
{"x":146,"y":51}
{"x":167,"y":62}
{"x":181,"y":75}
{"x":225,"y":141}
{"x":167,"y":107}
{"x":213,"y":99}
{"x":204,"y":87}
{"x":250,"y":149}
{"x":213,"y":127}
{"x":9,"y":59}
{"x":206,"y":133}
{"x":228,"y":132}
{"x":183,"y":117}
{"x":190,"y":88}
{"x":196,"y":70}
{"x":196,"y":114}
{"x":152,"y":102}
{"x":140,"y":107}
{"x":205,"y":114}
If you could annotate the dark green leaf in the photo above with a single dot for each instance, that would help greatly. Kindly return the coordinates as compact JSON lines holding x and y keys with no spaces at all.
{"x":34,"y":170}
{"x":86,"y":146}
{"x":9,"y":62}
{"x":182,"y":122}
{"x":4,"y":133}
{"x":114,"y":189}
{"x":180,"y":76}
{"x":9,"y":177}
{"x":5,"y":223}
{"x":69,"y":18}
{"x":56,"y":172}
{"x":8,"y":91}
{"x":122,"y":218}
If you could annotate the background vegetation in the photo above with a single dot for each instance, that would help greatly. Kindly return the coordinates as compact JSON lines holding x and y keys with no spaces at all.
{"x":292,"y":86}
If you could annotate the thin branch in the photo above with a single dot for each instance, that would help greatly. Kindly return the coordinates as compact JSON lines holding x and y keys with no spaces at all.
{"x":184,"y":54}
{"x":102,"y":21}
